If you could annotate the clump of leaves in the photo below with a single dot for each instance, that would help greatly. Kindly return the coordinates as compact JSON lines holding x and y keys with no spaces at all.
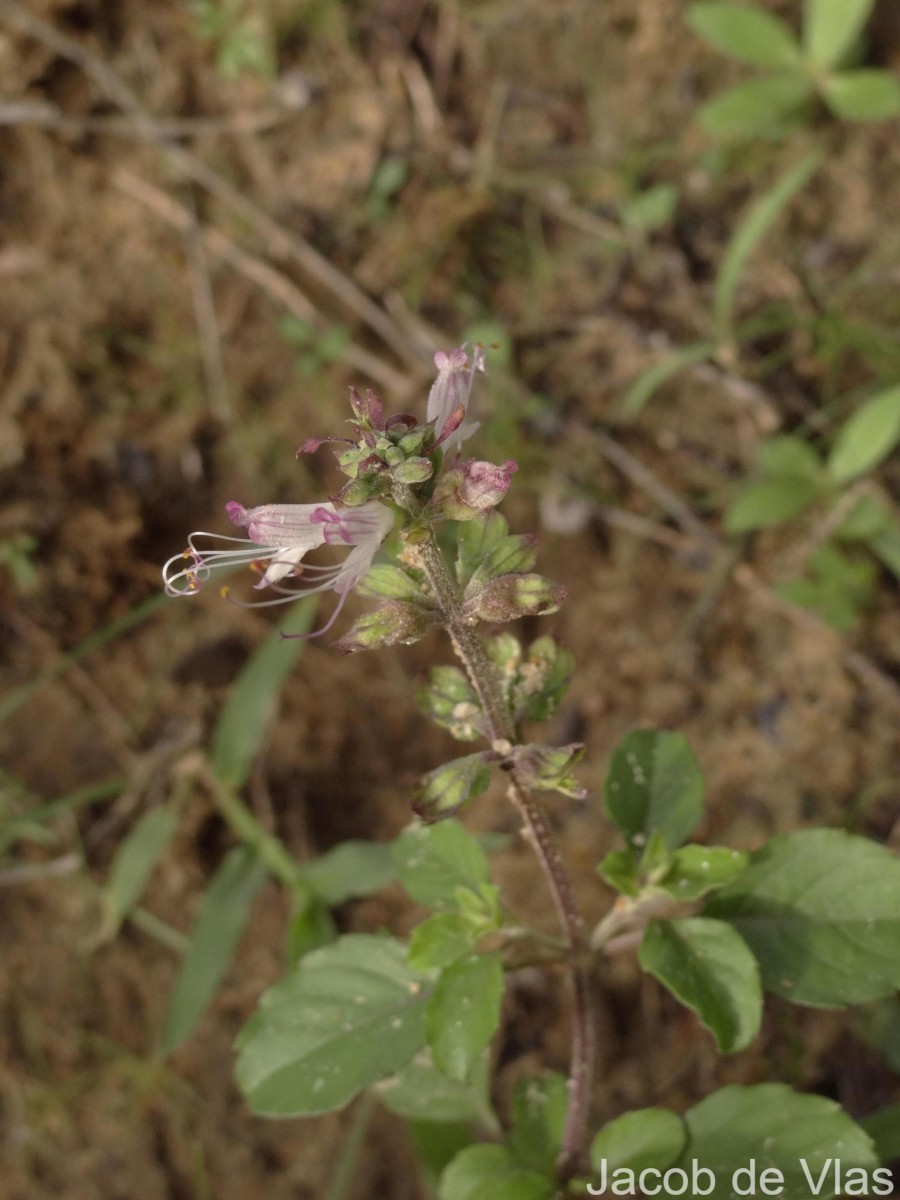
{"x":822,"y":64}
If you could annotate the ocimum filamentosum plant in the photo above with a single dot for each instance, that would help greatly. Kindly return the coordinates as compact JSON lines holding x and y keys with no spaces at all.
{"x":812,"y":916}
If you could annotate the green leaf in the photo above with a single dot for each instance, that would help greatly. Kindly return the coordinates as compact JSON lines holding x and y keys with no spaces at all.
{"x":746,"y":33}
{"x":772,"y":1126}
{"x":650,"y":381}
{"x":133,"y":865}
{"x":446,"y":790}
{"x":789,"y":457}
{"x":867,"y":95}
{"x":697,"y":870}
{"x":392,"y":623}
{"x":344,"y":1017}
{"x":839,"y":587}
{"x":538,"y":1121}
{"x":433,"y":862}
{"x":879,"y":1027}
{"x":536,"y":687}
{"x":772,"y":502}
{"x":549,"y":768}
{"x":509,"y":597}
{"x":441,"y":939}
{"x":647,"y":1138}
{"x":765,"y":107}
{"x":650,"y":209}
{"x":310,"y":927}
{"x":883,"y":1127}
{"x":437,"y":1143}
{"x":708,"y":967}
{"x":450,"y":700}
{"x":867,"y":519}
{"x":387,"y":582}
{"x":830,"y":27}
{"x":422,"y":1092}
{"x":491,"y":1173}
{"x":221,"y":919}
{"x":753,"y":228}
{"x":886,"y":545}
{"x":464,"y":1012}
{"x":352,"y":869}
{"x":485,"y":549}
{"x":821,"y":911}
{"x":867,"y":437}
{"x":251,"y":703}
{"x":620,"y":870}
{"x":654,"y":784}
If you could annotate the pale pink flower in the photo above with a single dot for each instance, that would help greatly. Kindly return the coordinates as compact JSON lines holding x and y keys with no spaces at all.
{"x":281,"y":535}
{"x":448,"y":399}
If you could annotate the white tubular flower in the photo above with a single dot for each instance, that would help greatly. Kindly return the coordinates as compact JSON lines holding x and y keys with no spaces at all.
{"x":448,"y":399}
{"x":281,"y":535}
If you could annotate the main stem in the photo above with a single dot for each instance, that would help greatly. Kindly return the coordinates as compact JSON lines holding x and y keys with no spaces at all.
{"x":485,"y":680}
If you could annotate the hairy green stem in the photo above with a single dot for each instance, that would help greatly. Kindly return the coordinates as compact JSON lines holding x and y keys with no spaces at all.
{"x":501,"y":727}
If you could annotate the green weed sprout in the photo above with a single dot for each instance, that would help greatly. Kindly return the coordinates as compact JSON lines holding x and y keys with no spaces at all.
{"x":812,"y":916}
{"x":822,"y":64}
{"x":797,"y":477}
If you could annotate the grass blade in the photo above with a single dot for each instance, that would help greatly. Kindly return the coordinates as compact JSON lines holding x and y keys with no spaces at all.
{"x":133,"y":864}
{"x":750,"y":233}
{"x":649,"y":381}
{"x":246,"y":715}
{"x":223,"y":914}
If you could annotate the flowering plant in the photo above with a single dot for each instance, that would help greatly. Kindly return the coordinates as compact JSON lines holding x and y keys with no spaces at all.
{"x":811,"y":917}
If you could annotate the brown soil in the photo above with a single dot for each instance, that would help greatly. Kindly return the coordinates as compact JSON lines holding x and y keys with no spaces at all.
{"x":145,"y":381}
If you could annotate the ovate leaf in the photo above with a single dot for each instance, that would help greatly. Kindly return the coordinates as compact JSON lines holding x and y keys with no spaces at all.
{"x":697,"y":870}
{"x":491,"y":1173}
{"x":421,"y":1092}
{"x":883,"y":1127}
{"x":830,"y":28}
{"x":788,"y":456}
{"x":867,"y":95}
{"x":441,"y":939}
{"x":352,"y":869}
{"x":464,"y":1012}
{"x":654,"y":785}
{"x":867,"y":437}
{"x":346,"y":1016}
{"x":221,"y":919}
{"x":820,"y":910}
{"x":648,"y":1137}
{"x":708,"y":967}
{"x":650,"y":209}
{"x":443,"y":792}
{"x":433,"y":862}
{"x":539,"y":1110}
{"x":763,"y":107}
{"x":388,"y":582}
{"x":772,"y":502}
{"x":770,"y":1125}
{"x":746,"y":33}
